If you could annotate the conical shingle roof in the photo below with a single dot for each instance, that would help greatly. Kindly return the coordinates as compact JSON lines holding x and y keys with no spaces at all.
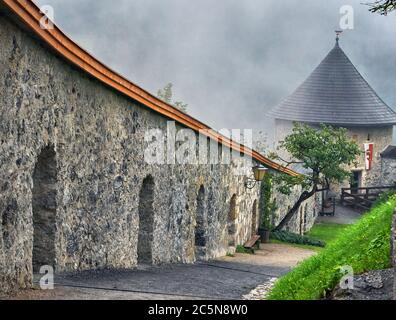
{"x":336,"y":93}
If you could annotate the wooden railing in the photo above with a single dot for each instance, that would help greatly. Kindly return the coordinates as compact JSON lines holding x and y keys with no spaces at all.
{"x":362,"y":198}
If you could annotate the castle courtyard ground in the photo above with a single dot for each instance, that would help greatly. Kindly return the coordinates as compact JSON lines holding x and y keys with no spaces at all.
{"x":342,"y":215}
{"x":224,"y":278}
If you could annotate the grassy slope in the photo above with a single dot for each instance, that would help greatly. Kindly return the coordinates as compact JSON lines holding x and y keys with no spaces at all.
{"x":326,"y":232}
{"x":364,"y":246}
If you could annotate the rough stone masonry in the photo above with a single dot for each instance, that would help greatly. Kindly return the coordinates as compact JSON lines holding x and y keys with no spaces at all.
{"x":75,"y":190}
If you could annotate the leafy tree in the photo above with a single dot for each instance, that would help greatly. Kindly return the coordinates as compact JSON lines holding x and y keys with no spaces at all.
{"x":382,"y":6}
{"x":323,"y":153}
{"x":166,"y":95}
{"x":181,"y":106}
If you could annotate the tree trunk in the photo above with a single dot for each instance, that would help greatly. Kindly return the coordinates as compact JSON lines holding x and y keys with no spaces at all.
{"x":304,"y":196}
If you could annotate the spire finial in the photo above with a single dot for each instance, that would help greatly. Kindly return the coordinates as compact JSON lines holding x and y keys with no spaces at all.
{"x":338,"y":33}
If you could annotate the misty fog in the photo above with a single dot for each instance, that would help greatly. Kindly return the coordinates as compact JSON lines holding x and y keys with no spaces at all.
{"x":231,"y":61}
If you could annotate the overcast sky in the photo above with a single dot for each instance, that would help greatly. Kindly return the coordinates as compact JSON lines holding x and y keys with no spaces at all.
{"x":230,"y":60}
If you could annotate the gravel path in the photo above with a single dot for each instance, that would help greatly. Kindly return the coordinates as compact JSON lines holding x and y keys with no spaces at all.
{"x":261,"y":291}
{"x":240,"y":277}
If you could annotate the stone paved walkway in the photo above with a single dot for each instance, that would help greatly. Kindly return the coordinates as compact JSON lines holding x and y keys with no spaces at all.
{"x":224,"y":278}
{"x":343,"y":215}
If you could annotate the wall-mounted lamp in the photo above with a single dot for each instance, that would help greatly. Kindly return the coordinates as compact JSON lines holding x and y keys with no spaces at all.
{"x":258,"y":173}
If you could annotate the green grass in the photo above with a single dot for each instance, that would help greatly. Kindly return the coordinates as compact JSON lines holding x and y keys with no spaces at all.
{"x":326,"y":232}
{"x":364,"y":246}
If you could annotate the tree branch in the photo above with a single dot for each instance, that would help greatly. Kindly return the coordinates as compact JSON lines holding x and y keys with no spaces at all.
{"x":289,"y":162}
{"x":382,"y":7}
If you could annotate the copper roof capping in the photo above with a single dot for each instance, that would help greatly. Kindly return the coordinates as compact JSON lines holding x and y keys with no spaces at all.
{"x":30,"y":16}
{"x":336,"y":93}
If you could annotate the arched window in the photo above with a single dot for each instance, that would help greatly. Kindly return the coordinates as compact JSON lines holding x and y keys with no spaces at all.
{"x":146,"y":221}
{"x":44,"y":209}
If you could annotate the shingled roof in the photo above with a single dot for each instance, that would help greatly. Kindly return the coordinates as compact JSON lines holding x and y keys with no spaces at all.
{"x":336,"y":93}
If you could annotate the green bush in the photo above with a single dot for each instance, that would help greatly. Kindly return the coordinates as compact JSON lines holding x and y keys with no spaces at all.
{"x":286,"y":236}
{"x":364,"y":246}
{"x":242,"y":249}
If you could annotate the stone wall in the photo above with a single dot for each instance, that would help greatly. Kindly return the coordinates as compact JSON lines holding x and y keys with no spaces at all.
{"x":388,"y":171}
{"x":73,"y":168}
{"x":304,"y":219}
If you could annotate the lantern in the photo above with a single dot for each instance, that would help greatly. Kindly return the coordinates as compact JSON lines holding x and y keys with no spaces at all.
{"x":258,"y":174}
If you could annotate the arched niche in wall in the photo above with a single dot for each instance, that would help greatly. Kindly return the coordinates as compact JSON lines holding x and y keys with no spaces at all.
{"x":232,"y":216}
{"x":44,"y":209}
{"x":201,"y":224}
{"x":146,"y":221}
